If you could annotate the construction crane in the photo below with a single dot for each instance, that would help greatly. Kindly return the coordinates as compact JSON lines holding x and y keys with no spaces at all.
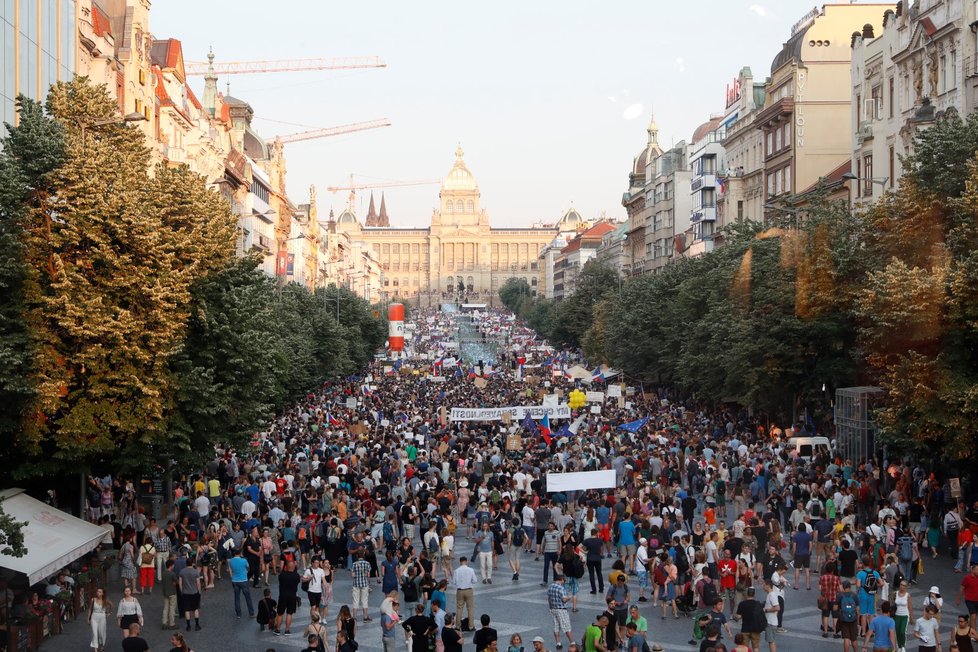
{"x":199,"y":68}
{"x":353,"y":187}
{"x":383,"y":184}
{"x":334,"y":131}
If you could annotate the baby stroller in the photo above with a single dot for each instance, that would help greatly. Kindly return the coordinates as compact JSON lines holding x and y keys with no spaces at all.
{"x":686,"y":600}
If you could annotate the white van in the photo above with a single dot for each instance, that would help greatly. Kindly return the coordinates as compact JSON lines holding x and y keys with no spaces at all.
{"x":808,"y":447}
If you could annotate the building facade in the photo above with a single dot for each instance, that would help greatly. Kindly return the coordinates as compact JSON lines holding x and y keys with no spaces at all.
{"x":572,"y":258}
{"x":637,"y":201}
{"x":37,"y":39}
{"x":459,"y":255}
{"x":707,"y":161}
{"x":807,"y":97}
{"x":741,"y":195}
{"x":910,"y":67}
{"x":671,"y":205}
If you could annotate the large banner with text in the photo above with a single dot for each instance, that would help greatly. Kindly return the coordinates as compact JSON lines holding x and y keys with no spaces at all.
{"x":517,"y":413}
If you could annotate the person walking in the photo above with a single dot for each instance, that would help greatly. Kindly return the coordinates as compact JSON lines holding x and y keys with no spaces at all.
{"x":927,"y":630}
{"x":239,"y":581}
{"x":168,"y":586}
{"x":882,"y":631}
{"x":133,"y":642}
{"x":557,"y":600}
{"x":147,"y":566}
{"x":771,"y":611}
{"x":127,"y":562}
{"x":128,"y":612}
{"x":753,"y":620}
{"x":361,"y":585}
{"x":551,"y":549}
{"x":902,"y":613}
{"x":98,"y":608}
{"x":464,"y":580}
{"x":288,"y":595}
{"x":191,"y":582}
{"x":969,"y":591}
{"x":318,"y":629}
{"x":388,"y":626}
{"x":484,"y":540}
{"x":828,"y":598}
{"x":593,"y":546}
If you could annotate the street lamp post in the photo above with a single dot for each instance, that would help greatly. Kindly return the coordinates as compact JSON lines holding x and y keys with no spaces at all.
{"x":135,"y":116}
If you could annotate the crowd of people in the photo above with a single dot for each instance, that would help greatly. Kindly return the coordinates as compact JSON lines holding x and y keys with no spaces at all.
{"x":712,"y":516}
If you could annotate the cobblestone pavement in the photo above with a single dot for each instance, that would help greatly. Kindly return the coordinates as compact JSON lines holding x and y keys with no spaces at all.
{"x":513,"y":606}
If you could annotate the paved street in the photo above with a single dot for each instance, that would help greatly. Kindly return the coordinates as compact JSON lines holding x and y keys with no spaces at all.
{"x":514,"y":607}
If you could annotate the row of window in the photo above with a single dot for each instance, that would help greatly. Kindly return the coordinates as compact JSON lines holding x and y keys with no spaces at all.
{"x":873,"y":108}
{"x":659,"y":248}
{"x":779,"y":181}
{"x":777,"y":140}
{"x":459,"y":207}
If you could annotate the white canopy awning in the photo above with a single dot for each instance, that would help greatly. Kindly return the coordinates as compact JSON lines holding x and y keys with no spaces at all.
{"x":53,"y":538}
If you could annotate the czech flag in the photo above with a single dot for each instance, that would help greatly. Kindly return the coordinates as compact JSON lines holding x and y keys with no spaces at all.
{"x":333,"y":421}
{"x":544,"y":428}
{"x":596,"y":375}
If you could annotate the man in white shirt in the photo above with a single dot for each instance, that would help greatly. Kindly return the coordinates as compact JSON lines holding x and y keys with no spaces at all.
{"x":248,"y":508}
{"x":464,"y":580}
{"x":202,"y":505}
{"x":771,"y":609}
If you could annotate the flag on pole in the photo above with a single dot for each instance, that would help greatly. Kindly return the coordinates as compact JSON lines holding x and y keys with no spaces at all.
{"x":333,"y":421}
{"x":544,"y":429}
{"x":633,"y":426}
{"x":529,"y":424}
{"x":576,"y":426}
{"x":596,"y":375}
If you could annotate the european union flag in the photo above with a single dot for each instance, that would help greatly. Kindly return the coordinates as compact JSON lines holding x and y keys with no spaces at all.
{"x":633,"y":426}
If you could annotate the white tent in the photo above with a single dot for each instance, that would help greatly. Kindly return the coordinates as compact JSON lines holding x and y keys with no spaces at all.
{"x":53,"y":538}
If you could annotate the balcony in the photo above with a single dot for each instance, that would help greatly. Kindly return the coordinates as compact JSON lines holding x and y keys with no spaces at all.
{"x":970,"y":67}
{"x":264,"y":243}
{"x":704,"y":214}
{"x":700,"y":247}
{"x":707,"y":179}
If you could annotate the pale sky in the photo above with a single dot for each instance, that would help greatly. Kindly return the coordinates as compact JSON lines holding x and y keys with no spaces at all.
{"x":549,"y":99}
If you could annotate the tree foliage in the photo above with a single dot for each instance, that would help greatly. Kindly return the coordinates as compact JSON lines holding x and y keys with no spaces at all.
{"x":130,"y":335}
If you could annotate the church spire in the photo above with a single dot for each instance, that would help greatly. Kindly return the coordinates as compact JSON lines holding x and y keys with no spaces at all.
{"x":210,"y":86}
{"x":371,"y":212}
{"x":653,"y":130}
{"x":383,"y":220}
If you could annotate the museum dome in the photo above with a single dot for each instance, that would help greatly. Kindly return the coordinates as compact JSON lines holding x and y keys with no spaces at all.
{"x":459,"y":178}
{"x":347,"y":217}
{"x":571,"y":221}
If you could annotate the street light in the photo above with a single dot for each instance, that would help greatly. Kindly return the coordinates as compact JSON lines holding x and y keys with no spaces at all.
{"x":849,"y":176}
{"x":135,"y":116}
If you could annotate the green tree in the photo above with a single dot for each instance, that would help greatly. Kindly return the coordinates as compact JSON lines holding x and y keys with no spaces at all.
{"x":112,"y":253}
{"x":513,"y":292}
{"x":11,"y":534}
{"x":32,"y":153}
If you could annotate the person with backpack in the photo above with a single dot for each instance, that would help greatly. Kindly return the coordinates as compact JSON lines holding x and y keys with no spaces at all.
{"x":147,"y":566}
{"x":847,"y":622}
{"x":905,"y":554}
{"x":868,"y":581}
{"x":514,"y":552}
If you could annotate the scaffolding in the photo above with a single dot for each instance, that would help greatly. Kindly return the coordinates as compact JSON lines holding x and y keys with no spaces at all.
{"x":855,"y":427}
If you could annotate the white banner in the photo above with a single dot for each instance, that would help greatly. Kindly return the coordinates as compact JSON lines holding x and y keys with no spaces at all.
{"x":581,"y":480}
{"x":595,"y":397}
{"x":518,"y":413}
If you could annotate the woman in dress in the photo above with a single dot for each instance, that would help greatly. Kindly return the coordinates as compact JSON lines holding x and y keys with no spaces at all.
{"x":327,"y":584}
{"x":447,"y":552}
{"x":463,"y":494}
{"x":390,"y":573}
{"x":129,"y":611}
{"x":127,"y":561}
{"x":97,"y":610}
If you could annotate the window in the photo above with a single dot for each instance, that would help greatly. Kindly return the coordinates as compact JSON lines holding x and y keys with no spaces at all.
{"x":470,"y":206}
{"x":867,"y":175}
{"x":892,"y":165}
{"x":770,"y":143}
{"x":387,"y":249}
{"x":859,"y":108}
{"x":142,"y":76}
{"x":953,"y":71}
{"x":449,"y":207}
{"x":770,"y":184}
{"x":396,"y":249}
{"x":890,"y":98}
{"x":906,"y":92}
{"x":779,"y":182}
{"x":777,"y":140}
{"x":709,"y":198}
{"x":740,"y":209}
{"x":787,"y":179}
{"x":787,"y":134}
{"x":876,"y":107}
{"x":458,"y":206}
{"x":943,"y":71}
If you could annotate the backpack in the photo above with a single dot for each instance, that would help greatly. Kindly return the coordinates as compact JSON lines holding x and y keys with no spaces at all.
{"x":871,"y":582}
{"x":659,"y":575}
{"x":905,"y":545}
{"x":303,"y":531}
{"x":410,"y":590}
{"x":388,"y":534}
{"x":433,"y":545}
{"x":147,"y":557}
{"x":332,"y":535}
{"x":847,"y":608}
{"x":710,"y":595}
{"x":575,"y":568}
{"x":519,"y":537}
{"x":682,"y":560}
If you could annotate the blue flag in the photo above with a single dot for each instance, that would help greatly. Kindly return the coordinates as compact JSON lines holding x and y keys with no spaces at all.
{"x":529,"y":424}
{"x":634,"y":426}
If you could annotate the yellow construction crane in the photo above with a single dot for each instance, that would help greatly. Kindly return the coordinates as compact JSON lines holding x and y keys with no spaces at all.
{"x":199,"y":68}
{"x":334,"y":131}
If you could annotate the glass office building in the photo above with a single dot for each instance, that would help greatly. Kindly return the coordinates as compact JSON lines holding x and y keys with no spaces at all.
{"x":37,"y":46}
